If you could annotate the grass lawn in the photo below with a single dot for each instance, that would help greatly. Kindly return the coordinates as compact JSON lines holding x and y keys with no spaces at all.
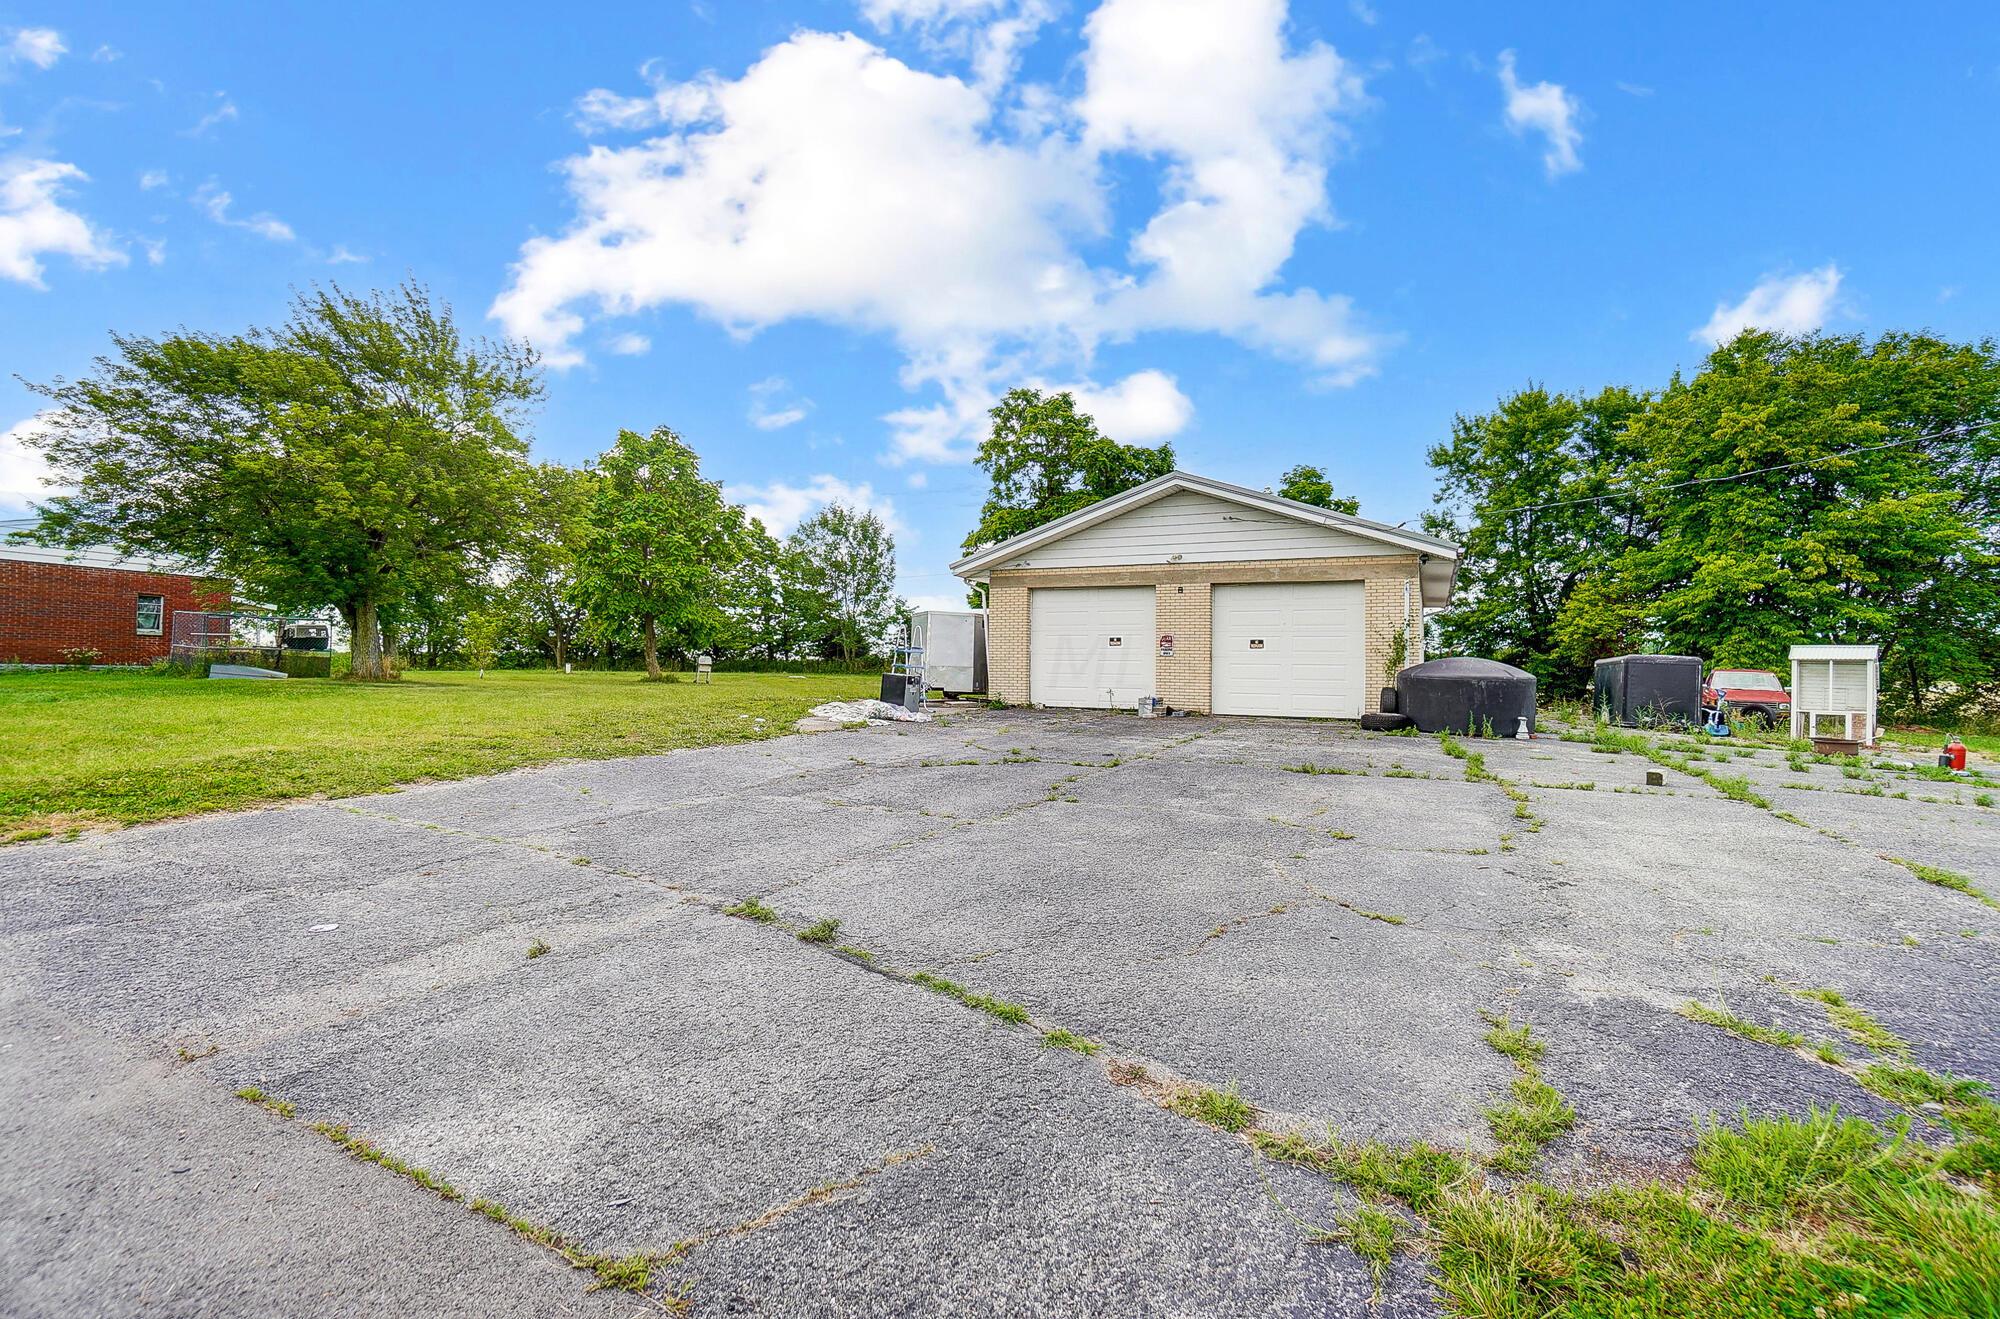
{"x":81,"y":749}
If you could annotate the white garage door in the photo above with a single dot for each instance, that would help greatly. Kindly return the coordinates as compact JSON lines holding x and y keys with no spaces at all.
{"x":1090,"y":646}
{"x":1289,"y":648}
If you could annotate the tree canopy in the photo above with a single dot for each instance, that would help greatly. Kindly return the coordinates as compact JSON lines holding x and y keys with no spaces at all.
{"x":1309,"y":485}
{"x":657,"y":544}
{"x":1818,"y":488}
{"x":846,"y":564}
{"x":1046,"y":459}
{"x":351,"y":456}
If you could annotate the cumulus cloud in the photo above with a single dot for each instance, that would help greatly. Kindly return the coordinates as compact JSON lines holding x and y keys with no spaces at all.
{"x":781,"y":506}
{"x":773,"y":406}
{"x":1144,"y":406}
{"x":23,"y":473}
{"x":35,"y":223}
{"x":1546,"y":108}
{"x":988,"y":34}
{"x":630,"y":344}
{"x":834,"y":182}
{"x":1789,"y":304}
{"x":39,"y":46}
{"x":215,"y":202}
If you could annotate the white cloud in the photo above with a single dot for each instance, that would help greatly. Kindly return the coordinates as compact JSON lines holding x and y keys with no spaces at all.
{"x":151,"y":179}
{"x":1144,"y":406}
{"x":630,"y":344}
{"x":1789,"y":304}
{"x":107,"y":55}
{"x":156,"y":250}
{"x":39,"y":46}
{"x":22,"y":469}
{"x":834,"y":182}
{"x":224,"y":112}
{"x":989,"y":34}
{"x":1363,"y":12}
{"x":773,"y":406}
{"x":780,"y":506}
{"x":1545,"y":108}
{"x":343,"y":255}
{"x":215,"y":202}
{"x":34,"y":222}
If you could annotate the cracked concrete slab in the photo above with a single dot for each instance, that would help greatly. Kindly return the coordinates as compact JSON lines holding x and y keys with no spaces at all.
{"x":836,"y":1141}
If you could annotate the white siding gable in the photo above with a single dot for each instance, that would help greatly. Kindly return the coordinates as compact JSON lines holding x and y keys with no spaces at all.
{"x":1201,"y":529}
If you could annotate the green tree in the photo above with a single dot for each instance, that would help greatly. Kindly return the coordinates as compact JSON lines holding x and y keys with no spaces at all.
{"x":1517,"y":492}
{"x":540,"y":561}
{"x":1792,"y":494}
{"x":362,"y":449}
{"x":846,"y":560}
{"x":1309,"y":485}
{"x":1046,"y":459}
{"x":658,"y":543}
{"x":484,"y":629}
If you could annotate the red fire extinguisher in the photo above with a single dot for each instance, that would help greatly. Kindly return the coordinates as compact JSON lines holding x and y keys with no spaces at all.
{"x":1954,"y":751}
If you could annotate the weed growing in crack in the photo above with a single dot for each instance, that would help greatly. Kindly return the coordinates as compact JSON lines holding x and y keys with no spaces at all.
{"x":1943,"y":878}
{"x":1309,"y":768}
{"x":824,"y":930}
{"x":269,"y":1103}
{"x":1371,"y":1232}
{"x":1064,"y":1039}
{"x":188,"y":1055}
{"x":1537,"y":1114}
{"x":1775,"y":1036}
{"x":369,"y":1152}
{"x":1417,"y":1174}
{"x":1225,"y":1110}
{"x":1011,"y":1013}
{"x":750,"y":909}
{"x":1857,"y":1024}
{"x":538,"y":948}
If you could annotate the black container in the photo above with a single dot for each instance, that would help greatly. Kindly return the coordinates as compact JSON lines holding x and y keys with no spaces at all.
{"x":1645,"y":691}
{"x":903,"y":689}
{"x":1465,"y":695}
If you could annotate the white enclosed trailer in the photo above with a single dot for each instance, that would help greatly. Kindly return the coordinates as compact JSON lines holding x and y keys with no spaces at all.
{"x":951,"y":646}
{"x":1836,"y":683}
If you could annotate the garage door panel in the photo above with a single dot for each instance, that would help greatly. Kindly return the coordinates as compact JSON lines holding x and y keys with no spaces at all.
{"x":1090,"y":647}
{"x":1290,"y":648}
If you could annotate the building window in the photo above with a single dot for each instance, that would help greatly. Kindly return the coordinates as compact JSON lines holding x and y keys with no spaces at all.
{"x":152,"y":609}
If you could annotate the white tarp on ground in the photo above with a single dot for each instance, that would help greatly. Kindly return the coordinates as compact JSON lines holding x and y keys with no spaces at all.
{"x":874,"y":712}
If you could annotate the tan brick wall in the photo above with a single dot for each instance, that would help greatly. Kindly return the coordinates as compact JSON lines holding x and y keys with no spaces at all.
{"x":1184,"y":680}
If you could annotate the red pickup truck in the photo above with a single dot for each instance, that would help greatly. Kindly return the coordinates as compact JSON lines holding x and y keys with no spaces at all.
{"x":1755,"y":694}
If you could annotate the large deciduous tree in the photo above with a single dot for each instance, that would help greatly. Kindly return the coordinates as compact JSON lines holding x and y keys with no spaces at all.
{"x":658,"y":544}
{"x":1819,"y":488}
{"x":1046,"y":459}
{"x":361,"y":452}
{"x":846,"y":562}
{"x":1516,"y":490}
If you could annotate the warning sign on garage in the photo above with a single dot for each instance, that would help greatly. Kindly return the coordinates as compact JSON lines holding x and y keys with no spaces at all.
{"x":1166,"y":644}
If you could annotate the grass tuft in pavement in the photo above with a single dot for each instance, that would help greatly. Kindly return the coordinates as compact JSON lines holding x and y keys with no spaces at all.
{"x":250,"y":1094}
{"x":824,"y":930}
{"x":1536,"y":1114}
{"x":1943,"y":878}
{"x":1065,"y":1039}
{"x":750,"y":909}
{"x":1749,"y":1030}
{"x":1011,"y":1013}
{"x":1223,"y":1109}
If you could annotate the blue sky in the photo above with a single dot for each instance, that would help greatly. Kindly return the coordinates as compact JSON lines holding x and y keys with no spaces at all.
{"x":817,"y":238}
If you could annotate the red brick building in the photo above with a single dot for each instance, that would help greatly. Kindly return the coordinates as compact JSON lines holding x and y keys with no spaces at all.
{"x":54,"y":600}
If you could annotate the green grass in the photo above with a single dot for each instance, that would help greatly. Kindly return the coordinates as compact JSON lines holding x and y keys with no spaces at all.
{"x":124,"y":748}
{"x":1535,"y":1114}
{"x":824,"y":930}
{"x":538,"y":948}
{"x":1418,"y":1175}
{"x":1749,"y":1030}
{"x":1225,"y":1110}
{"x":1065,"y":1039}
{"x":1310,"y":768}
{"x":1943,"y":878}
{"x":1011,"y":1013}
{"x":752,"y":909}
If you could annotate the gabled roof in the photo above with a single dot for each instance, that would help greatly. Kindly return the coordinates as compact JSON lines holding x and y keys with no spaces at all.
{"x":1438,"y":575}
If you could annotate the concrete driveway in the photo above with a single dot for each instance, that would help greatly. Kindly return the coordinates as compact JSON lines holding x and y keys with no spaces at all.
{"x":822,"y":1137}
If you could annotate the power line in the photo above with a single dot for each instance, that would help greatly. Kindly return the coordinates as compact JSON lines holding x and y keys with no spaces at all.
{"x":1950,"y":432}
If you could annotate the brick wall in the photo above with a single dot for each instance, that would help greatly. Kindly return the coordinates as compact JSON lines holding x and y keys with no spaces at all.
{"x":1182,"y":606}
{"x":47,"y":608}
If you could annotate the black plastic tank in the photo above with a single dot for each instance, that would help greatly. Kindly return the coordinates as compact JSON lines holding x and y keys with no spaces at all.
{"x":1464,"y":695}
{"x":1644,"y":691}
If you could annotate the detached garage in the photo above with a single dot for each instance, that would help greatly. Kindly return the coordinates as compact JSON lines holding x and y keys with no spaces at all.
{"x":1213,"y":597}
